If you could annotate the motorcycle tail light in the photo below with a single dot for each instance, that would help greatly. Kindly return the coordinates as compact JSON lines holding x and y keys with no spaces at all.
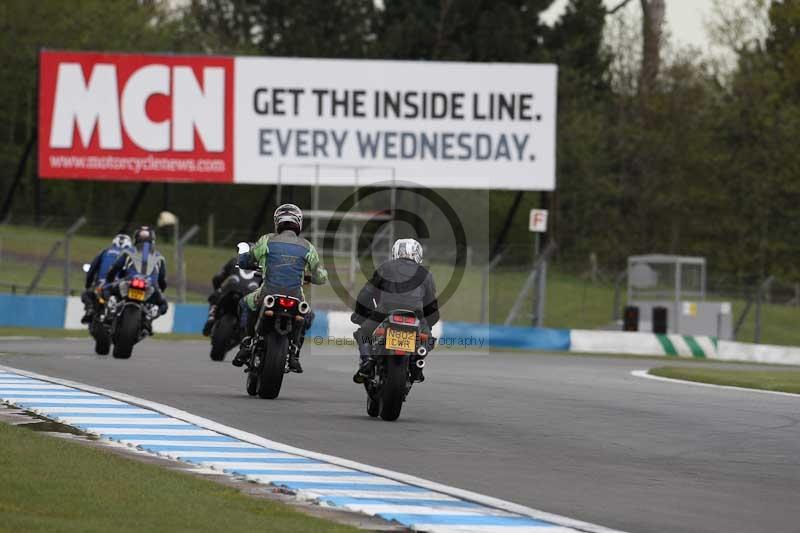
{"x":138,"y":283}
{"x":287,"y":303}
{"x":403,"y":319}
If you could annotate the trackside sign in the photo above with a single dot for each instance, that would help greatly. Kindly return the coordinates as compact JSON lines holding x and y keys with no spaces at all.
{"x":258,"y":120}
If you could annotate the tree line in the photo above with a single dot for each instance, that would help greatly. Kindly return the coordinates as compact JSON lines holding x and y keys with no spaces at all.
{"x":659,"y":149}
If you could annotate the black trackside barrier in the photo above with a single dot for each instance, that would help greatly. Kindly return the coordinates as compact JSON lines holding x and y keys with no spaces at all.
{"x":660,"y":320}
{"x":630,"y":320}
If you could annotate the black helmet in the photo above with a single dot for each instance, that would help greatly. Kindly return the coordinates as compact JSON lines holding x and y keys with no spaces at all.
{"x":288,"y":216}
{"x":144,"y":234}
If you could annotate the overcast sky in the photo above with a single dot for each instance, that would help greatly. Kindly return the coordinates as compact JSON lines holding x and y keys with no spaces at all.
{"x":685,"y":18}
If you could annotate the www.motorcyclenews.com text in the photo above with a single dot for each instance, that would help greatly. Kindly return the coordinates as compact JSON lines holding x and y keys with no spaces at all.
{"x":447,"y":342}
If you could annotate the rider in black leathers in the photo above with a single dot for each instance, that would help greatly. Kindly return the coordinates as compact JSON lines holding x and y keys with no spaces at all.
{"x":227,"y":270}
{"x":400,"y":283}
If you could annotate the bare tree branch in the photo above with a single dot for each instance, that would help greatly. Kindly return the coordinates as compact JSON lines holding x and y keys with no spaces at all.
{"x":619,"y":6}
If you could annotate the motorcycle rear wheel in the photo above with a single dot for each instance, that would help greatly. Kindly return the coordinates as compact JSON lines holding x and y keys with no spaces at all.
{"x":273,"y":366}
{"x":127,"y":332}
{"x":393,"y":390}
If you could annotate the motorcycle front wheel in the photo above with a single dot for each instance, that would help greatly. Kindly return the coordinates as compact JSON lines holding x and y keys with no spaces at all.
{"x":252,"y":382}
{"x":102,"y":339}
{"x":224,"y":329}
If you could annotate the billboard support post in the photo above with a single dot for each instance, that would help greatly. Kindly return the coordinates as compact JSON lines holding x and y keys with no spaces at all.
{"x":67,"y":256}
{"x":180,"y":242}
{"x":23,"y":160}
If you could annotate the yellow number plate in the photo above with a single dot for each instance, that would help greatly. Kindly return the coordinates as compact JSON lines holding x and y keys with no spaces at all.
{"x":136,"y":294}
{"x":405,"y":341}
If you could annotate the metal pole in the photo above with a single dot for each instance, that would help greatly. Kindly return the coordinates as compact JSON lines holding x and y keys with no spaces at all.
{"x":393,"y":206}
{"x":540,"y":296}
{"x":67,"y":238}
{"x":485,"y":286}
{"x":179,"y":244}
{"x":315,"y":222}
{"x":354,"y":235}
{"x":757,"y":332}
{"x":210,"y":230}
{"x":677,"y":319}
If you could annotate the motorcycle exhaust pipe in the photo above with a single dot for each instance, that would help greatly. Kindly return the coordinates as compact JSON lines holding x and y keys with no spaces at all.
{"x":420,"y":363}
{"x":303,"y":308}
{"x":422,"y":351}
{"x":269,"y":301}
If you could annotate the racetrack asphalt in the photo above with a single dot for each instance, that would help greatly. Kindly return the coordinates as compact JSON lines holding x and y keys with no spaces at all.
{"x":573,"y":435}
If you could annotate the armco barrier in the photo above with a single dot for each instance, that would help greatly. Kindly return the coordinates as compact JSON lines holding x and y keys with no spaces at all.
{"x":60,"y":312}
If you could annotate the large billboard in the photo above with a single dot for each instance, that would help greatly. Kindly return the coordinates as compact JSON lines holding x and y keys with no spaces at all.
{"x":261,"y":120}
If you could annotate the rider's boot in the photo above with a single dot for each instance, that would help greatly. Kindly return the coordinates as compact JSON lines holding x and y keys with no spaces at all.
{"x":212,"y":311}
{"x":367,"y":362}
{"x":87,"y":315}
{"x":244,"y":353}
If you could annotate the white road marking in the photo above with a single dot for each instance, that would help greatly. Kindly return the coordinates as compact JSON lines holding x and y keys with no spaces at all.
{"x":248,"y":440}
{"x":87,"y":421}
{"x":140,"y":431}
{"x":646,"y":374}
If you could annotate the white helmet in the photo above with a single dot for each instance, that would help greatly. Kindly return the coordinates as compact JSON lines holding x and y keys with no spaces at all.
{"x":407,"y":249}
{"x":121,"y":241}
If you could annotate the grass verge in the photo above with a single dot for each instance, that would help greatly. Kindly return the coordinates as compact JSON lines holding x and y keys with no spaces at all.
{"x":53,"y":485}
{"x":772,"y":380}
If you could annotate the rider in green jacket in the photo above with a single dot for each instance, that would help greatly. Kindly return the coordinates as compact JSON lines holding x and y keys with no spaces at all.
{"x":286,"y":261}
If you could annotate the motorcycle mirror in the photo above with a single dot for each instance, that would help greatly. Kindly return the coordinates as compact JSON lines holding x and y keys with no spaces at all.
{"x":86,"y":267}
{"x":243,"y":247}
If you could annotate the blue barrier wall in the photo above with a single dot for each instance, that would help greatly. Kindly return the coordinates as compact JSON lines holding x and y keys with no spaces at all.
{"x":189,"y":318}
{"x":468,"y":334}
{"x":50,"y":311}
{"x":32,"y":311}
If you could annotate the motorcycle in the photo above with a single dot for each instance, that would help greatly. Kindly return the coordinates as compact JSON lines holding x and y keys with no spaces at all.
{"x":399,"y":345}
{"x":131,"y":316}
{"x":100,"y":326}
{"x":281,"y":321}
{"x":225,"y":333}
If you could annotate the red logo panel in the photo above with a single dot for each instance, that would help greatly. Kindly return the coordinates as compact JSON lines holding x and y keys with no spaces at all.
{"x":135,"y":117}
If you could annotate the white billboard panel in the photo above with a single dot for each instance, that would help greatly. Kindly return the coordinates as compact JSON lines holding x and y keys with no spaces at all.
{"x":448,"y":125}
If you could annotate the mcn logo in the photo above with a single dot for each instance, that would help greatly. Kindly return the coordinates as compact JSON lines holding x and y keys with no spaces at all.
{"x":135,"y":117}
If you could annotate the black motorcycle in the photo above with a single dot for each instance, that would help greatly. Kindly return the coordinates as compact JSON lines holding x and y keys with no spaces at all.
{"x":281,"y":322}
{"x":399,"y":347}
{"x":100,"y":326}
{"x":131,"y":316}
{"x":225,"y":333}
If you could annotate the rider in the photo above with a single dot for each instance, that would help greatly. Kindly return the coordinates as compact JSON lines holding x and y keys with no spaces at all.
{"x":144,"y":259}
{"x":400,"y":283}
{"x":97,"y":272}
{"x":227,"y":270}
{"x":286,"y":260}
